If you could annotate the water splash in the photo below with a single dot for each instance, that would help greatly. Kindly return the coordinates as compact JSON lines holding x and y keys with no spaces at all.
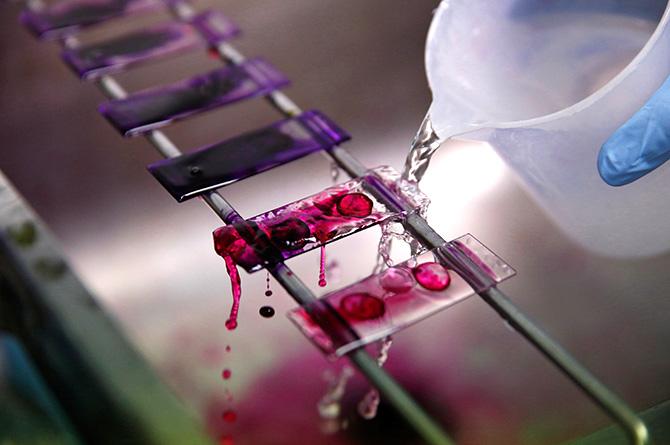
{"x":329,"y":406}
{"x":391,"y":231}
{"x":368,"y":406}
{"x":424,"y":145}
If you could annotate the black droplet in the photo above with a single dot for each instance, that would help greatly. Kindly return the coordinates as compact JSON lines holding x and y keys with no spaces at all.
{"x":267,"y":311}
{"x":268,"y":293}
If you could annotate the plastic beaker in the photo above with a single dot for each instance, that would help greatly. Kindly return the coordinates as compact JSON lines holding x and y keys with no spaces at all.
{"x":546,"y":83}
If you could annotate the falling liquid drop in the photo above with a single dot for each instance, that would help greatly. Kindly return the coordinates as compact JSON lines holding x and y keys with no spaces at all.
{"x":432,"y":276}
{"x":267,"y":311}
{"x":268,"y":292}
{"x":322,"y":267}
{"x":226,"y":440}
{"x":226,"y":374}
{"x":368,"y":406}
{"x":236,"y":288}
{"x":228,"y":349}
{"x":229,"y":416}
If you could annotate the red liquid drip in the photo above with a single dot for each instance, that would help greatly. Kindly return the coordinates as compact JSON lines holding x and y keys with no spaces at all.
{"x":354,"y":204}
{"x":226,"y":440}
{"x":226,"y":374}
{"x":322,"y":267}
{"x":362,"y":306}
{"x":319,"y":221}
{"x":229,"y":416}
{"x":228,"y":348}
{"x":268,"y":292}
{"x":432,"y":276}
{"x":236,"y":287}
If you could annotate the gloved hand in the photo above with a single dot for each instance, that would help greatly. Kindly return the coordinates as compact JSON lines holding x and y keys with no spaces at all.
{"x":641,"y":144}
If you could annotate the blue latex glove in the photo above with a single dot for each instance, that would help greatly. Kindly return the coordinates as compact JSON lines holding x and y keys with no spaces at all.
{"x":641,"y":144}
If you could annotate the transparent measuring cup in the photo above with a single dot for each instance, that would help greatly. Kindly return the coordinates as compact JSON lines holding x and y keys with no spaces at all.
{"x":546,"y":83}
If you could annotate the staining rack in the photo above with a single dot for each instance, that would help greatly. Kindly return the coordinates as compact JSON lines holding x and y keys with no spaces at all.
{"x":447,"y":253}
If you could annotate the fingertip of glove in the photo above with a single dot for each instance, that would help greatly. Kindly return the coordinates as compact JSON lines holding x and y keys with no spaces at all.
{"x":612,"y":168}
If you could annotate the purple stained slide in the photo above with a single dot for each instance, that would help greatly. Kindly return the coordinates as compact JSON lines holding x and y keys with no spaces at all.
{"x":157,"y":107}
{"x":220,"y":164}
{"x":98,"y":59}
{"x":67,"y":17}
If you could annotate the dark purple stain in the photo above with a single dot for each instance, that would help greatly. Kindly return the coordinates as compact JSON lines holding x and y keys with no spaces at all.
{"x":246,"y":155}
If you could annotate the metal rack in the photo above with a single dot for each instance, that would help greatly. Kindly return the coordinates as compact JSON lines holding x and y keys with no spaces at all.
{"x":418,"y":227}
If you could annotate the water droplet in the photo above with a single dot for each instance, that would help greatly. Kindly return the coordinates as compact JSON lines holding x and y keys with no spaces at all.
{"x":367,"y":407}
{"x":396,"y":280}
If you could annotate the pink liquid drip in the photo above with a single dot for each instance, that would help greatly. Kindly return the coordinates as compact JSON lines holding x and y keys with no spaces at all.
{"x":322,"y":267}
{"x":268,"y":292}
{"x":226,"y":374}
{"x":236,"y":287}
{"x":228,"y":348}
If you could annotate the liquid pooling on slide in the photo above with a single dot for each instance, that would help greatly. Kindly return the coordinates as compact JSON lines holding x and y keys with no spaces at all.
{"x":389,"y":301}
{"x":304,"y":225}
